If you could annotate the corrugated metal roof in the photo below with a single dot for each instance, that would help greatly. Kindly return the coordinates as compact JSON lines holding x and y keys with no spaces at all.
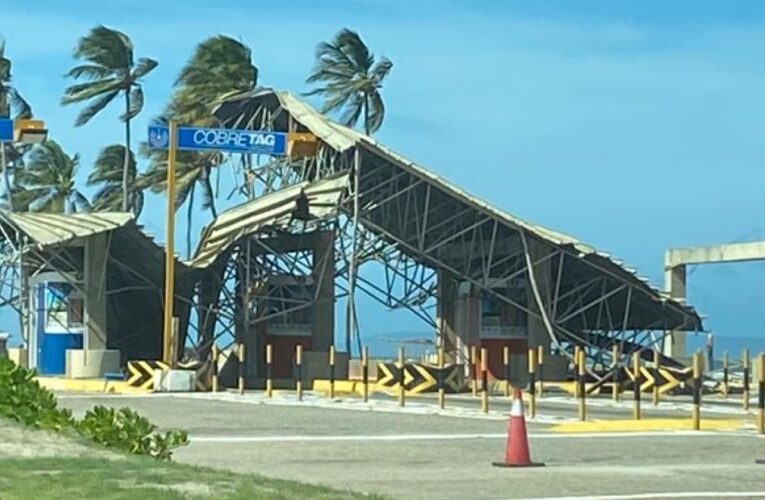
{"x":342,"y":138}
{"x":52,"y":229}
{"x":270,"y":210}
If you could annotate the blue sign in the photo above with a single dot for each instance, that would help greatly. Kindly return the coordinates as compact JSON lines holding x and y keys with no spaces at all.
{"x":6,"y":130}
{"x":221,"y":139}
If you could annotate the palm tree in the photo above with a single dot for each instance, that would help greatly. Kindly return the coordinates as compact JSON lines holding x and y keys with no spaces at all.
{"x":220,"y":66}
{"x":47,"y":183}
{"x":110,"y":70}
{"x":351,"y":80}
{"x":107,"y":174}
{"x":12,"y":105}
{"x":191,"y":169}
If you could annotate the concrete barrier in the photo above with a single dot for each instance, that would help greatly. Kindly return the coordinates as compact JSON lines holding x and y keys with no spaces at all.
{"x":91,"y":363}
{"x":18,"y":355}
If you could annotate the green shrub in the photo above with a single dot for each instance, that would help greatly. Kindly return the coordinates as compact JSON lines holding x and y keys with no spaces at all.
{"x":23,"y":400}
{"x":126,"y":430}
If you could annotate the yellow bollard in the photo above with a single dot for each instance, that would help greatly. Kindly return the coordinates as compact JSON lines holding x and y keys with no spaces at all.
{"x":726,"y":370}
{"x":269,"y":371}
{"x":541,"y":369}
{"x":532,"y":362}
{"x":484,"y":380}
{"x":365,"y":372}
{"x":215,"y":375}
{"x":241,"y":368}
{"x":474,"y":369}
{"x":616,"y":380}
{"x":577,"y":349}
{"x":656,"y":366}
{"x":745,"y":364}
{"x":401,"y":388}
{"x":636,"y":389}
{"x":441,"y":389}
{"x":506,"y":364}
{"x":696,"y":391}
{"x":299,"y":371}
{"x":332,"y":371}
{"x":761,"y":393}
{"x":582,"y":387}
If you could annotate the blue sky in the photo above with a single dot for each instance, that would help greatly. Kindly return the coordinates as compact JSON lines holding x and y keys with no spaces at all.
{"x":634,"y":126}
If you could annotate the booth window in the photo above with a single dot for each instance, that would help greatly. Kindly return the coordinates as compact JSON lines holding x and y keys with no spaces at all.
{"x":64,"y":306}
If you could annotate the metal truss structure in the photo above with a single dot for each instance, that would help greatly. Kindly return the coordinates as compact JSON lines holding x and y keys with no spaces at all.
{"x":418,"y":229}
{"x":399,"y":234}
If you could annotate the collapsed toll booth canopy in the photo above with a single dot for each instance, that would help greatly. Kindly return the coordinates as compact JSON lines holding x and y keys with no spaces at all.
{"x":496,"y":281}
{"x":91,"y":283}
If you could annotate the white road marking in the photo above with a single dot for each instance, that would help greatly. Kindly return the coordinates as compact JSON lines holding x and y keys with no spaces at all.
{"x":674,"y":494}
{"x":436,"y":437}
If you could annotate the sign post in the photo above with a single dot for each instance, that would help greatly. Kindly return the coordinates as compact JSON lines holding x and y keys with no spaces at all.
{"x":173,"y":138}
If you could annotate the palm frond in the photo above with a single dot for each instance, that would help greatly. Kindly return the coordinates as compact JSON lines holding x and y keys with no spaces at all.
{"x":381,"y":69}
{"x":143,"y":67}
{"x":136,"y":104}
{"x":106,"y":47}
{"x":79,"y":202}
{"x":376,"y":112}
{"x":84,"y":91}
{"x":92,"y":109}
{"x":18,"y":104}
{"x":89,"y":71}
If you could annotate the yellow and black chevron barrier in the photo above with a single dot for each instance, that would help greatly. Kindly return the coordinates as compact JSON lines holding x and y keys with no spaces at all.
{"x":420,"y":377}
{"x":141,"y":373}
{"x":667,"y":379}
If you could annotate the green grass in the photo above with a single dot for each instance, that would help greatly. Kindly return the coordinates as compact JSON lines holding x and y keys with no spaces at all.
{"x":142,"y":478}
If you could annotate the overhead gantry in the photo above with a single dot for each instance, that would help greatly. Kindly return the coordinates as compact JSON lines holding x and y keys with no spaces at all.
{"x":676,"y":261}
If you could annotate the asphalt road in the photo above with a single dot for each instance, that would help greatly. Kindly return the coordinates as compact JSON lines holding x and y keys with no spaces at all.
{"x":417,"y":454}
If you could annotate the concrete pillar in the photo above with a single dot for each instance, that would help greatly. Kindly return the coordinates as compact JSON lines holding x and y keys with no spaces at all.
{"x":674,"y":284}
{"x":446,"y":317}
{"x":324,"y":274}
{"x":96,"y":257}
{"x":537,"y":331}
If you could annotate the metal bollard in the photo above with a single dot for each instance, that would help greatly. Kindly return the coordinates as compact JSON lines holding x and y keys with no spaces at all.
{"x":215,"y":374}
{"x":582,"y":387}
{"x":697,"y":391}
{"x":616,"y":388}
{"x":541,"y":369}
{"x":440,"y":380}
{"x":745,"y":363}
{"x":761,"y":394}
{"x":484,"y":380}
{"x":506,"y":364}
{"x":636,"y":389}
{"x":401,"y":388}
{"x":299,"y":371}
{"x":726,"y":368}
{"x":365,"y":372}
{"x":474,"y":369}
{"x":656,"y":362}
{"x":532,"y":382}
{"x":241,"y":368}
{"x":269,"y":370}
{"x":332,"y":371}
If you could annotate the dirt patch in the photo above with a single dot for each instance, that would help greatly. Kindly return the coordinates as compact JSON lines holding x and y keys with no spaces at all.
{"x":185,"y":488}
{"x":19,"y":442}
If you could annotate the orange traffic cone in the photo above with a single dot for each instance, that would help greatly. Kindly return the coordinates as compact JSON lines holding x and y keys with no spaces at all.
{"x":517,"y":449}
